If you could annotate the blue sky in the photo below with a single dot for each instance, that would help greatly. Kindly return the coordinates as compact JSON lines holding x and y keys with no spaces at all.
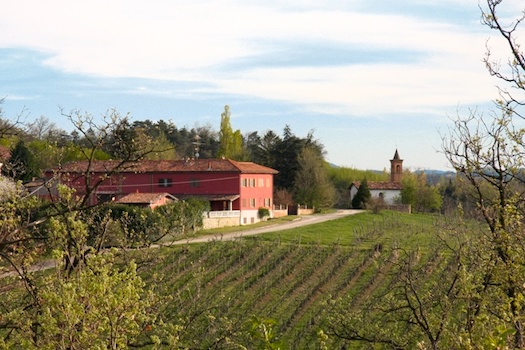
{"x":367,"y":76}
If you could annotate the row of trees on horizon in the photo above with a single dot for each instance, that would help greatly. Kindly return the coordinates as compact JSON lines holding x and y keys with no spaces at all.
{"x":304,"y":175}
{"x":38,"y":145}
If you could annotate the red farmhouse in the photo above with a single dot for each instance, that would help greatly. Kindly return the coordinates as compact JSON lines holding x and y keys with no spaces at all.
{"x":240,"y":188}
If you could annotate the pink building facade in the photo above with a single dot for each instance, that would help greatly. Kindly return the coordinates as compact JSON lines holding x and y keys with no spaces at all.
{"x":232,"y":188}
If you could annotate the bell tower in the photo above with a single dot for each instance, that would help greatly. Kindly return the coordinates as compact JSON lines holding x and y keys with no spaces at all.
{"x":396,"y":168}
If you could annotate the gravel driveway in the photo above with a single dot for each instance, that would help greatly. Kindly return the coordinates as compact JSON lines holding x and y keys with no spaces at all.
{"x":300,"y":221}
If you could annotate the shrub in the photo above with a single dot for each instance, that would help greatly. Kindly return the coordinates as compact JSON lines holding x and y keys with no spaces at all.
{"x":263,"y":213}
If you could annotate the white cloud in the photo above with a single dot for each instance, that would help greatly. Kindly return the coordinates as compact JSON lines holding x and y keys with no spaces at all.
{"x":143,"y":38}
{"x":189,"y":40}
{"x":13,"y":97}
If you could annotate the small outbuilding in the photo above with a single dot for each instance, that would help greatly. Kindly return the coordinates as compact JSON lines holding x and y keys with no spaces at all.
{"x":151,"y":200}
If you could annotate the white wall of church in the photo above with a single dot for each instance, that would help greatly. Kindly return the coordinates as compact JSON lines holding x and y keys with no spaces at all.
{"x":389,"y":196}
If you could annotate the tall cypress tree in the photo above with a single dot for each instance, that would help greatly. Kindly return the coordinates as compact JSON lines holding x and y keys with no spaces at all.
{"x":362,"y":196}
{"x":22,"y":164}
{"x":230,"y":141}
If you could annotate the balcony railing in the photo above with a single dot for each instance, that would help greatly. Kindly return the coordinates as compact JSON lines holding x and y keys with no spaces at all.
{"x":223,"y":214}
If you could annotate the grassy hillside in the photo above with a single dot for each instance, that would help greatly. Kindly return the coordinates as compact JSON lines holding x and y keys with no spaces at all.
{"x":213,"y":290}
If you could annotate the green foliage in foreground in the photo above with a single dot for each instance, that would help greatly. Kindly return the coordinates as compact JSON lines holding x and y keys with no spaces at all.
{"x":379,"y":281}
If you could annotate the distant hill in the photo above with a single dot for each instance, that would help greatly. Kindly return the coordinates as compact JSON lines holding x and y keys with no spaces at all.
{"x":434,"y":176}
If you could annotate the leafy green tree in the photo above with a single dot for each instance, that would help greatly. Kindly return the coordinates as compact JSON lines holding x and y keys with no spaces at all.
{"x":362,"y":196}
{"x":267,"y":148}
{"x":489,"y":154}
{"x":312,"y":185}
{"x":37,"y":309}
{"x":73,"y":152}
{"x":156,"y":136}
{"x":409,"y":190}
{"x":90,"y":301}
{"x":485,"y":155}
{"x":102,"y":306}
{"x":208,"y":141}
{"x":230,"y":141}
{"x":417,"y":192}
{"x":121,"y":225}
{"x":285,"y":154}
{"x":200,"y":139}
{"x":47,"y":152}
{"x":161,"y":148}
{"x":93,"y":300}
{"x":239,"y":152}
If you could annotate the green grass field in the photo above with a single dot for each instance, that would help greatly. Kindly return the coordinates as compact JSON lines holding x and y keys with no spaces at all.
{"x":357,"y":230}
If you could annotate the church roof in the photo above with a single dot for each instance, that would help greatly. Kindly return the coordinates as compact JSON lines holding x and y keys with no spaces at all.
{"x":380,"y":185}
{"x":396,"y":156}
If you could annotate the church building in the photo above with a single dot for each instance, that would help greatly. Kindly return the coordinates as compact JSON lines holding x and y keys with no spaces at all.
{"x":388,"y":191}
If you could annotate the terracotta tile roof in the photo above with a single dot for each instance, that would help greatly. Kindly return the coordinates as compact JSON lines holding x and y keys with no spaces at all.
{"x":144,"y":198}
{"x":35,"y":183}
{"x":211,"y":197}
{"x":147,"y":166}
{"x":380,"y":185}
{"x":5,"y":153}
{"x":252,"y":168}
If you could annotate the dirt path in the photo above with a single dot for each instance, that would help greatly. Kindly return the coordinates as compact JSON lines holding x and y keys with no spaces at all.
{"x":300,"y":221}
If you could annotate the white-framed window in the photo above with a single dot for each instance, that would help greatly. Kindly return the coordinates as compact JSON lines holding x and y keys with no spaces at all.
{"x":252,"y":202}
